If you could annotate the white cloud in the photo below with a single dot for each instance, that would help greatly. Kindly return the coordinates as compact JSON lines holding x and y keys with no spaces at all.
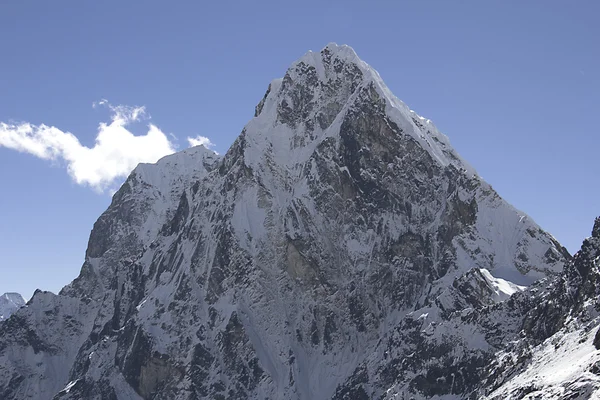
{"x":200,"y":140}
{"x":114,"y":155}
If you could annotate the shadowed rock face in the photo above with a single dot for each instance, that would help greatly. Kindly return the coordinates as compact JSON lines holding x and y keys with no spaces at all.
{"x":331,"y":253}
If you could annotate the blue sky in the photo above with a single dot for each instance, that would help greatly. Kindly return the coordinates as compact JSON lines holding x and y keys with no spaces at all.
{"x":515,"y":85}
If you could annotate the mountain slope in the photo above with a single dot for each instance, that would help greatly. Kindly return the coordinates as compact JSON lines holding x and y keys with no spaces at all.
{"x":340,"y":234}
{"x":558,"y":355}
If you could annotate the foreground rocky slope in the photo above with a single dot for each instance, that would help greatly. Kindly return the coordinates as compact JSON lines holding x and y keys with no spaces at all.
{"x":341,"y":249}
{"x":556,"y":353}
{"x":541,"y":343}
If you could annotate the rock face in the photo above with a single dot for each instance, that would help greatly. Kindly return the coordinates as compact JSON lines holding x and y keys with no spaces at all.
{"x":341,"y":249}
{"x":9,"y":303}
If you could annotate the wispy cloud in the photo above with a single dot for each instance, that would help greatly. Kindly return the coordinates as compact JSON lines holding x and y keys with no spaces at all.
{"x":114,"y":155}
{"x":200,"y":140}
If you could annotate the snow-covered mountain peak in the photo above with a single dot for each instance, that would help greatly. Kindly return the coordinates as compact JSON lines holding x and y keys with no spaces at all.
{"x":320,"y":60}
{"x":14,"y":298}
{"x":187,"y":164}
{"x":339,"y":248}
{"x":332,"y":105}
{"x":9,"y":303}
{"x":318,"y":92}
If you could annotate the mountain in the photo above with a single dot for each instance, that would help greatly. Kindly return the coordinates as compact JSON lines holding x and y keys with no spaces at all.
{"x":341,"y":249}
{"x":9,"y":303}
{"x":557,"y":352}
{"x":542,"y":343}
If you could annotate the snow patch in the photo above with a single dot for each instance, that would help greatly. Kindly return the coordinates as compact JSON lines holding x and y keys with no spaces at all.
{"x":503,"y":288}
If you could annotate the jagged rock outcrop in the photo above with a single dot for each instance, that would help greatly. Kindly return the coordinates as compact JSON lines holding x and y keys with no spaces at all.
{"x":341,"y":249}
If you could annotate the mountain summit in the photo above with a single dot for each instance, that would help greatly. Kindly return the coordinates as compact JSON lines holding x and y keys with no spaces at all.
{"x":341,"y":249}
{"x":9,"y":303}
{"x":314,"y":99}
